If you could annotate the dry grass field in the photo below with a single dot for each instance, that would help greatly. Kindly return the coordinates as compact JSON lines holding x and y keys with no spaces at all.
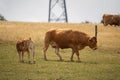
{"x":102,"y":64}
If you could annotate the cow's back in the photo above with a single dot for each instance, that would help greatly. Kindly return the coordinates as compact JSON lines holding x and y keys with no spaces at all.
{"x":22,"y":45}
{"x":62,"y":38}
{"x":77,"y":37}
{"x":111,"y":19}
{"x":65,"y":38}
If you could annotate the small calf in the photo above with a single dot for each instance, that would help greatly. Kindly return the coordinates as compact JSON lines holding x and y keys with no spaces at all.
{"x":25,"y":46}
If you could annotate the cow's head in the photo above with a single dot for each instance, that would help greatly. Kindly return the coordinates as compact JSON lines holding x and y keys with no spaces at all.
{"x":93,"y":43}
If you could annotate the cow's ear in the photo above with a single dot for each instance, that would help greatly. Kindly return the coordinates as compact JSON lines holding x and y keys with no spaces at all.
{"x":93,"y":39}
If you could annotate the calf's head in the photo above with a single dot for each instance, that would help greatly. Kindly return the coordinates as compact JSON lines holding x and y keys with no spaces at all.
{"x":92,"y":43}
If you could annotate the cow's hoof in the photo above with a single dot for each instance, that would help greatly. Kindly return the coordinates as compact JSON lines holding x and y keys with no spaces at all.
{"x":72,"y":60}
{"x":22,"y":61}
{"x":29,"y":62}
{"x":61,"y":59}
{"x":34,"y":62}
{"x":45,"y":59}
{"x":79,"y":61}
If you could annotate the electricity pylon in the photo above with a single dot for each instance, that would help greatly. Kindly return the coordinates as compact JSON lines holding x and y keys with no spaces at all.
{"x":57,"y":11}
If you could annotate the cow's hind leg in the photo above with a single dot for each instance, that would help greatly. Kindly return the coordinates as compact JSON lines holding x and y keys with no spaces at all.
{"x":44,"y":51}
{"x":77,"y":53}
{"x":57,"y":53}
{"x":72,"y":55}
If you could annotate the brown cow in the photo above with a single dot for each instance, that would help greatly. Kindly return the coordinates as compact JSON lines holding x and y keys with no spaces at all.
{"x":25,"y":46}
{"x":109,"y":19}
{"x":63,"y":39}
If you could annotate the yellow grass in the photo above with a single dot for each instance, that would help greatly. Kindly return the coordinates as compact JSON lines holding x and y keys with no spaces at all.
{"x":102,"y":64}
{"x":108,"y":37}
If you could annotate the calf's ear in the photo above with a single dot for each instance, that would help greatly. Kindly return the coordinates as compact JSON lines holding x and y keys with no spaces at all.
{"x":29,"y":38}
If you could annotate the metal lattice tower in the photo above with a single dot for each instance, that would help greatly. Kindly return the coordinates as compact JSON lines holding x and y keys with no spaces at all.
{"x":57,"y":11}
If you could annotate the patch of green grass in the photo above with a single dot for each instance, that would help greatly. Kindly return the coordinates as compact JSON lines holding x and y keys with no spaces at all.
{"x":95,"y":65}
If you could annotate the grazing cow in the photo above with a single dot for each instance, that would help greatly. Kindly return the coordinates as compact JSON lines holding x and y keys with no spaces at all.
{"x":25,"y":46}
{"x":64,"y":39}
{"x":109,"y":19}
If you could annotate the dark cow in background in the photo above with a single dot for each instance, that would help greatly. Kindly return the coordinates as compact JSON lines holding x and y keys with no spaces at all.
{"x":26,"y":45}
{"x":63,"y":39}
{"x":109,"y":19}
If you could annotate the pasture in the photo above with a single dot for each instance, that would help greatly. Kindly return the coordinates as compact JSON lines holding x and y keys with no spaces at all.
{"x":102,"y":64}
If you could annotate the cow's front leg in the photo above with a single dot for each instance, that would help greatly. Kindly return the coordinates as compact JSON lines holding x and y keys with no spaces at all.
{"x":72,"y":54}
{"x":57,"y":53}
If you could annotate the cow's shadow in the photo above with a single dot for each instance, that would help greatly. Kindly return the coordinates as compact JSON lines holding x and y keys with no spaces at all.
{"x":68,"y":61}
{"x":26,"y":62}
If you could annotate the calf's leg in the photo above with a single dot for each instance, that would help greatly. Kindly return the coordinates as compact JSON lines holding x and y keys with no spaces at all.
{"x":28,"y":56}
{"x":19,"y":53}
{"x":33,"y":54}
{"x":34,"y":61}
{"x":22,"y":57}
